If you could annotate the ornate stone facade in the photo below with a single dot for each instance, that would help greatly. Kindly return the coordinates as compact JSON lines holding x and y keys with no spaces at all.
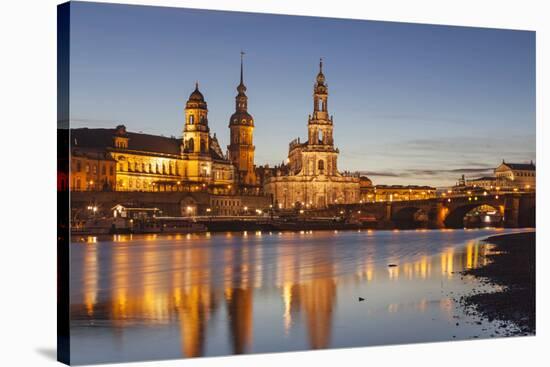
{"x":311,"y":178}
{"x":522,"y":176}
{"x":146,"y":162}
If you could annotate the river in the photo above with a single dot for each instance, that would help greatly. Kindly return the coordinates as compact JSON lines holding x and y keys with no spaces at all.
{"x":177,"y":296}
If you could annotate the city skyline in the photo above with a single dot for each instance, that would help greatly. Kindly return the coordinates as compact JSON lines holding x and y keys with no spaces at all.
{"x":424,"y":120}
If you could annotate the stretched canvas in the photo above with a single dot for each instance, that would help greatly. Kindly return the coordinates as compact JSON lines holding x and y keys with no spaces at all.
{"x":234,"y":183}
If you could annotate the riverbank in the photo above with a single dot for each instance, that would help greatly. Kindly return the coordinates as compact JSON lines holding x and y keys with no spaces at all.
{"x":512,"y":266}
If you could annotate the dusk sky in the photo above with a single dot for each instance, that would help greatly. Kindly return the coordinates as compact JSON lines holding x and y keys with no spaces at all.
{"x":412,"y":104}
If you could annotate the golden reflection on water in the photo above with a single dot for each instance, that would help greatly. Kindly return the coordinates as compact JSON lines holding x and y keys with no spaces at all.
{"x":185,"y":284}
{"x":90,"y":282}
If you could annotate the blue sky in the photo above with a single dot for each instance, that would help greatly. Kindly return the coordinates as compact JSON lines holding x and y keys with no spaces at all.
{"x":412,"y":104}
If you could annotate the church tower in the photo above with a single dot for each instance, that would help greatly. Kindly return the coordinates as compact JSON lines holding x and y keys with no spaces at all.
{"x":320,"y":156}
{"x":319,"y":124}
{"x":196,"y":134}
{"x":312,"y":179}
{"x":241,"y":126}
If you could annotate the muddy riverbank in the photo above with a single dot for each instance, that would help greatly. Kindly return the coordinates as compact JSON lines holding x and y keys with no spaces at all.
{"x":512,"y":266}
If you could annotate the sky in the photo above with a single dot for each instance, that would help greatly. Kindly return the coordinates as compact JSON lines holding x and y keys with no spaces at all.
{"x":412,"y":103}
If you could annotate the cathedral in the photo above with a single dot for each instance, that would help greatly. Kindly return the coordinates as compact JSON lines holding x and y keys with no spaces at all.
{"x":311,"y":178}
{"x":119,"y":160}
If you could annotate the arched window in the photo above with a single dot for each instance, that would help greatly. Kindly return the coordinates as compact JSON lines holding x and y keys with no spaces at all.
{"x":321,"y":165}
{"x":191,"y":145}
{"x":191,"y":119}
{"x":320,"y":104}
{"x":203,"y":146}
{"x":320,"y":136}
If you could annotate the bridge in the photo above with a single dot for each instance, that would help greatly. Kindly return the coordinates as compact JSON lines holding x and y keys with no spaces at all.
{"x":517,"y":210}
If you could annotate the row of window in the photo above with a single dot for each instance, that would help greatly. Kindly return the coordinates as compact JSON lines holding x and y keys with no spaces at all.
{"x":223,"y":175}
{"x":525,"y":174}
{"x":192,"y":120}
{"x":93,"y":168}
{"x":226,"y":203}
{"x":80,"y":185}
{"x":190,"y":145}
{"x":149,"y":168}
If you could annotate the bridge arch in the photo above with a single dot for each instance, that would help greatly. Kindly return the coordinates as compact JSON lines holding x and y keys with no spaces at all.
{"x":455,"y":216}
{"x":410,"y":217}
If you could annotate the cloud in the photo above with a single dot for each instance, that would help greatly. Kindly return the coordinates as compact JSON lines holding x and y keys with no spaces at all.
{"x":471,"y":170}
{"x":418,"y":172}
{"x":380,"y":174}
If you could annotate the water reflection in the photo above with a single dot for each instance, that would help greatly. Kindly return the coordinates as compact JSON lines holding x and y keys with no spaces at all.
{"x":183,"y":282}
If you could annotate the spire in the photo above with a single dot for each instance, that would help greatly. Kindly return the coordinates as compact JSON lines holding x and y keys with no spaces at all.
{"x":242,"y":54}
{"x":241,"y":88}
{"x":320,"y":76}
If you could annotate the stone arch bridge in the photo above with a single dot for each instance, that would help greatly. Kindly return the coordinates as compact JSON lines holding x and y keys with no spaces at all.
{"x":517,"y":209}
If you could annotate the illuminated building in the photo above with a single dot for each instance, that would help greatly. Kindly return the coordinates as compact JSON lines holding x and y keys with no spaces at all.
{"x":311,"y":177}
{"x":485,"y":182}
{"x":241,"y":149}
{"x":92,"y":170}
{"x":156,"y":163}
{"x":508,"y":177}
{"x":396,"y":193}
{"x":516,"y":175}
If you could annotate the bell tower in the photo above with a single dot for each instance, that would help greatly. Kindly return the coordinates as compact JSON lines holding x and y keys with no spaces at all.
{"x":241,"y":126}
{"x":196,"y":133}
{"x":319,"y":124}
{"x":319,"y":156}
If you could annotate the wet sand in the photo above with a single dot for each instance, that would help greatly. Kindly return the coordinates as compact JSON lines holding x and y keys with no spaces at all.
{"x":512,"y":266}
